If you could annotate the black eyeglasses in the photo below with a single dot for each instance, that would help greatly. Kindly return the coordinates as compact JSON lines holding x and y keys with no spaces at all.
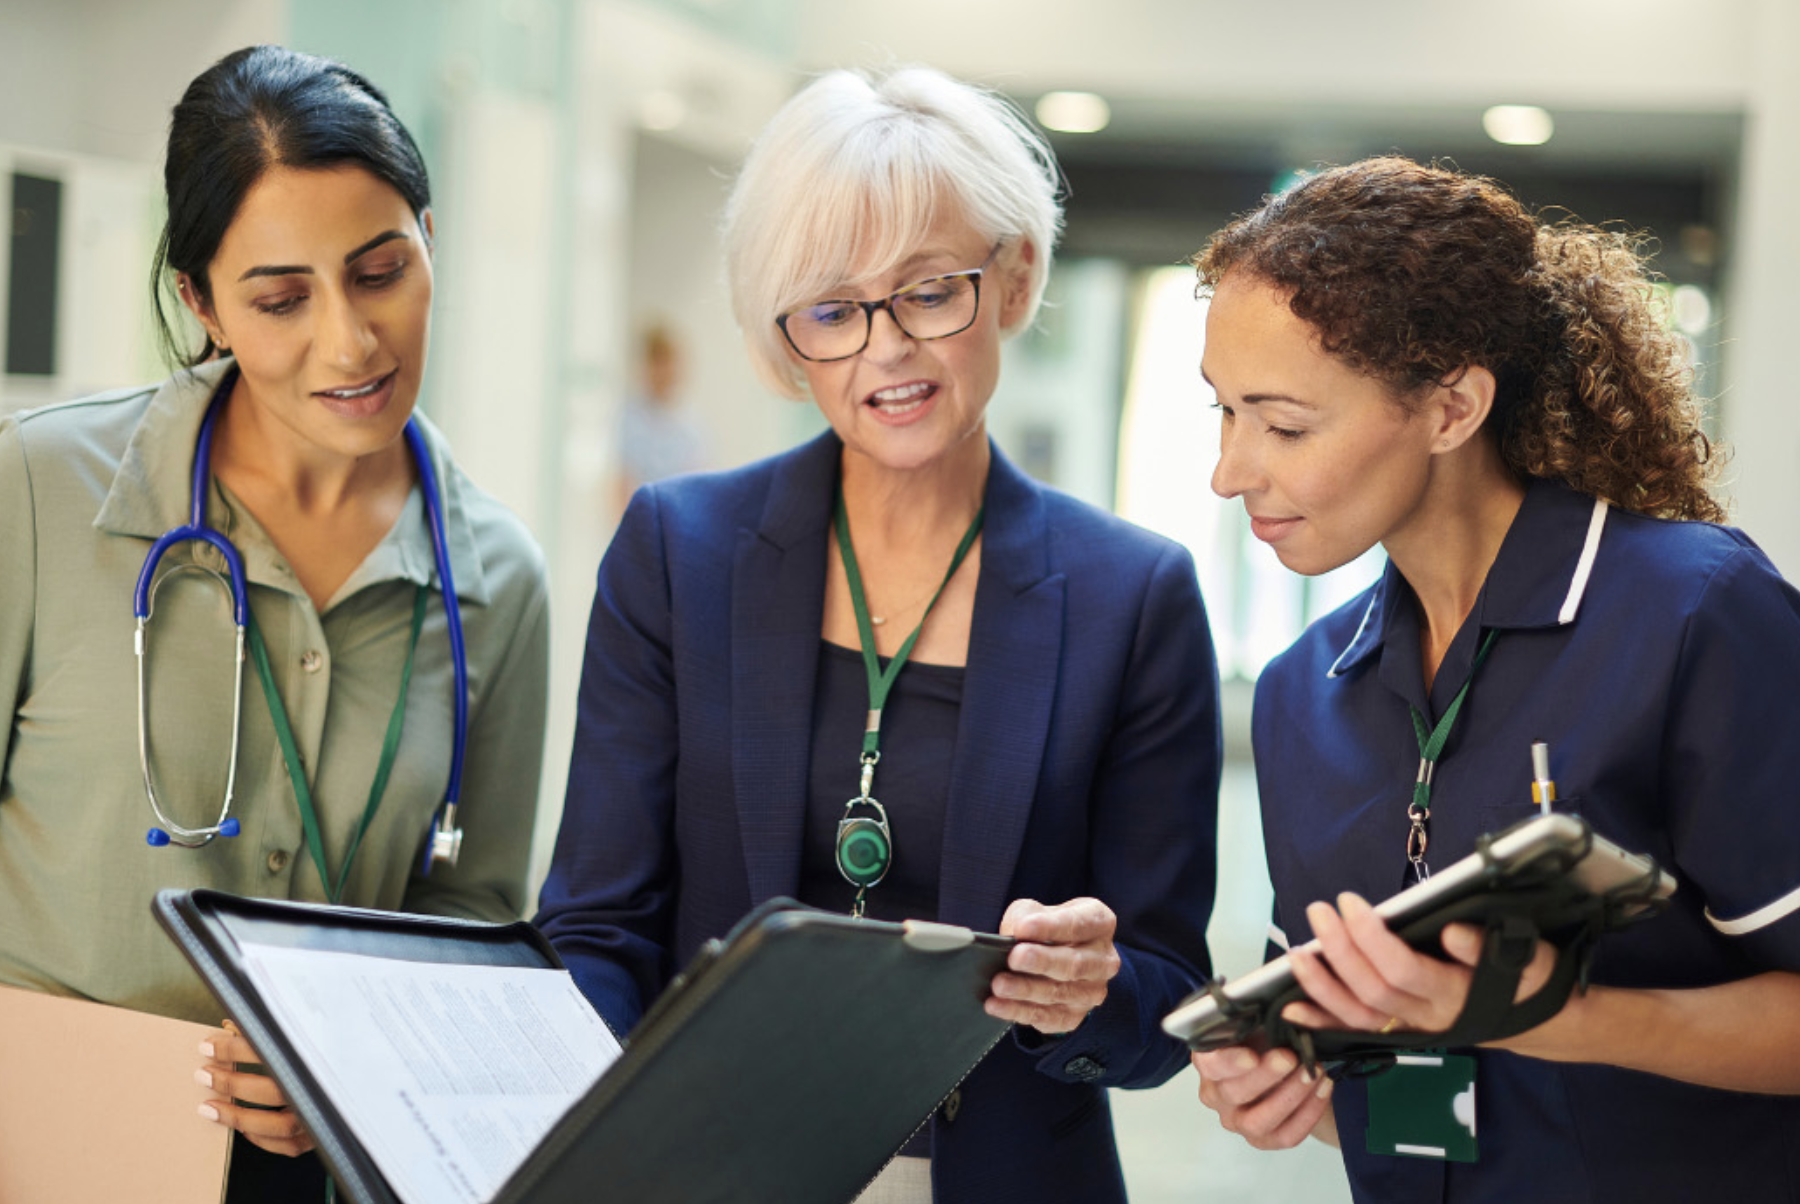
{"x":929,"y":309}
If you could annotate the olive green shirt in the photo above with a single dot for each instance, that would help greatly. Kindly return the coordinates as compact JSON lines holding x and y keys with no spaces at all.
{"x":84,"y":490}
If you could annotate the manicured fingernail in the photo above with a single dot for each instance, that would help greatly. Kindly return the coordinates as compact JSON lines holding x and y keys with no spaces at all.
{"x":1324,"y":1091}
{"x":208,"y":1112}
{"x":1243,"y":1060}
{"x":206,"y":1048}
{"x":1283,"y":1062}
{"x":203,"y":1078}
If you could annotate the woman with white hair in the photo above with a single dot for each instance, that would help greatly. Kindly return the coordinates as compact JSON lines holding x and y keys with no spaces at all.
{"x":1046,"y":756}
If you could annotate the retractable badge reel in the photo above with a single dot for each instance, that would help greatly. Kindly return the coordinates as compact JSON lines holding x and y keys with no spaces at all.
{"x":865,"y":846}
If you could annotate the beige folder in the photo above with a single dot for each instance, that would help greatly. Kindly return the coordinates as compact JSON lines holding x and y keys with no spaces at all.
{"x":99,"y":1104}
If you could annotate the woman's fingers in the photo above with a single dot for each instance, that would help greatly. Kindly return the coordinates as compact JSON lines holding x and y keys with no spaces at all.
{"x":1049,"y":1005}
{"x":242,"y":1085}
{"x":1072,"y":923}
{"x":1057,"y":972}
{"x":1269,"y":1100}
{"x":229,"y":1045}
{"x":278,"y":1131}
{"x":250,"y":1102}
{"x":1328,"y":992}
{"x":1463,"y":942}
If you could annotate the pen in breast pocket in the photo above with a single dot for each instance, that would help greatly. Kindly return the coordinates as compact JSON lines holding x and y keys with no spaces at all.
{"x":1543,"y":790}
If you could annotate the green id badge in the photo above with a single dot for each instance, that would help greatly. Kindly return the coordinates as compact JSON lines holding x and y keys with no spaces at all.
{"x":1424,"y":1107}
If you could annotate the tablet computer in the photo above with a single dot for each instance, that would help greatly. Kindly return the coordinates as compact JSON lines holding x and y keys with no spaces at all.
{"x":1526,"y":854}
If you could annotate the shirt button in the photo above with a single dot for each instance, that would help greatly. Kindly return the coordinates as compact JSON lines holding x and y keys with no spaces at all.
{"x":1083,"y":1068}
{"x":278,"y":861}
{"x":311,"y":660}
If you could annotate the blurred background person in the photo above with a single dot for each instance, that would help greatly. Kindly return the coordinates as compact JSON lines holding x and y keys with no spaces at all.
{"x":1015,"y":691}
{"x":659,"y":435}
{"x":299,"y":236}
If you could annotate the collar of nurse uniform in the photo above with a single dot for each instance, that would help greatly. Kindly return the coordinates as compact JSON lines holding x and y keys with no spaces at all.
{"x":1537,"y":580}
{"x":150,"y":495}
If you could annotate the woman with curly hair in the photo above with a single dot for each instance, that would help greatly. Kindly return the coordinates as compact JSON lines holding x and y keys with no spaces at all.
{"x":1407,"y":356}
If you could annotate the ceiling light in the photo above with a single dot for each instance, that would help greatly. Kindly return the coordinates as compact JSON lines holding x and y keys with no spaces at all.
{"x":1518,"y":125}
{"x":1073,"y":112}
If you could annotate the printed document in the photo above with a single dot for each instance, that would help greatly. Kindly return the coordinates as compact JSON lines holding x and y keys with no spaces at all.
{"x":449,"y":1075}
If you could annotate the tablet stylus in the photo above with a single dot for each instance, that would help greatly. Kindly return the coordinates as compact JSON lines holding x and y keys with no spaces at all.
{"x":1543,"y":790}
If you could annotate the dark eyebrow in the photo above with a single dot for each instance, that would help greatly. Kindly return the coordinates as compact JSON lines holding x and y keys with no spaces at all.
{"x":387,"y":236}
{"x":287,"y":269}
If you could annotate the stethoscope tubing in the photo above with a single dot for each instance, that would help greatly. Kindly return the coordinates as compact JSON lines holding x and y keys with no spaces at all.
{"x":444,"y":839}
{"x":444,"y":819}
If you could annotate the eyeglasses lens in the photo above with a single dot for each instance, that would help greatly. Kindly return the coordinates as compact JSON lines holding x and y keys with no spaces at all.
{"x":930,"y":309}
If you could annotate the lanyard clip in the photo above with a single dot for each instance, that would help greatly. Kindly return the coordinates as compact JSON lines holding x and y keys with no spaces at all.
{"x":1417,"y":839}
{"x":868,"y":772}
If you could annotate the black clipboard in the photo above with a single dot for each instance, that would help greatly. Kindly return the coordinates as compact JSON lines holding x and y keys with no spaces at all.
{"x":788,"y":1064}
{"x":1557,"y":848}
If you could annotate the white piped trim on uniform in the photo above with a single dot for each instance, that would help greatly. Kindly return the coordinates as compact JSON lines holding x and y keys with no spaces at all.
{"x":1333,"y":671}
{"x":1584,"y":568}
{"x":1278,"y":936}
{"x":1762,"y":917}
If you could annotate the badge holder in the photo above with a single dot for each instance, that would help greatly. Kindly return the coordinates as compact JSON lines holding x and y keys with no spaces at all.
{"x":1424,"y":1107}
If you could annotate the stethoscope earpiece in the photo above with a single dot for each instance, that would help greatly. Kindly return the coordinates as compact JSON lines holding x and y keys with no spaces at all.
{"x":156,"y":838}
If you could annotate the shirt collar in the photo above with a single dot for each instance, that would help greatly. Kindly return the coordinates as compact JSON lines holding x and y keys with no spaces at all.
{"x":152,"y":493}
{"x":1537,"y":580}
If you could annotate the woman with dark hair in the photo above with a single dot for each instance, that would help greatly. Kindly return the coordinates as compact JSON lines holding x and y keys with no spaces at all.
{"x":1406,"y":356}
{"x":377,"y":588}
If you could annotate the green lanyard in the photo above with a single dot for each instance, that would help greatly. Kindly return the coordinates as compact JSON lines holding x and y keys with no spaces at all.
{"x":1431,"y":747}
{"x":290,"y":753}
{"x":865,"y":846}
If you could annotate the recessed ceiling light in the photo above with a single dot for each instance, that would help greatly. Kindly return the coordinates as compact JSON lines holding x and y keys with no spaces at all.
{"x":1518,"y":125}
{"x":1073,"y":112}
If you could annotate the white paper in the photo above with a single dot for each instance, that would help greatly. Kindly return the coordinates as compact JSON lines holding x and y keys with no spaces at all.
{"x":449,"y":1075}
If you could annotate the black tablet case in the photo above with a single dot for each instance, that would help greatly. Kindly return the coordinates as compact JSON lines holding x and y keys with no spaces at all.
{"x":787,"y":1064}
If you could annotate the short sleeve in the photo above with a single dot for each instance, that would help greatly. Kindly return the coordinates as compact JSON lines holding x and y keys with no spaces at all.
{"x":1732,"y":758}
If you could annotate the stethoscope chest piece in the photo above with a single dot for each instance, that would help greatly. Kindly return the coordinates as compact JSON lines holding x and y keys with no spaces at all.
{"x":445,"y":843}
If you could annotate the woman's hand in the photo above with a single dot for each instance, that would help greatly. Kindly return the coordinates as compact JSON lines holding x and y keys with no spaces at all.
{"x":1267,"y":1099}
{"x":1362,"y":976}
{"x":272,"y":1125}
{"x":1058,"y":971}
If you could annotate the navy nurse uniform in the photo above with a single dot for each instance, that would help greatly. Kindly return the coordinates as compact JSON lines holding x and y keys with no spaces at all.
{"x":1085,"y":761}
{"x":1661,"y":662}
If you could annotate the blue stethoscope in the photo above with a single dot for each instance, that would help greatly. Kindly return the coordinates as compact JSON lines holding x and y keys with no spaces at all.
{"x":445,"y":842}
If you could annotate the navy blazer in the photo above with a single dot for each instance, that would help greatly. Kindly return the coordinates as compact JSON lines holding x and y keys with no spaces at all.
{"x":1086,"y":763}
